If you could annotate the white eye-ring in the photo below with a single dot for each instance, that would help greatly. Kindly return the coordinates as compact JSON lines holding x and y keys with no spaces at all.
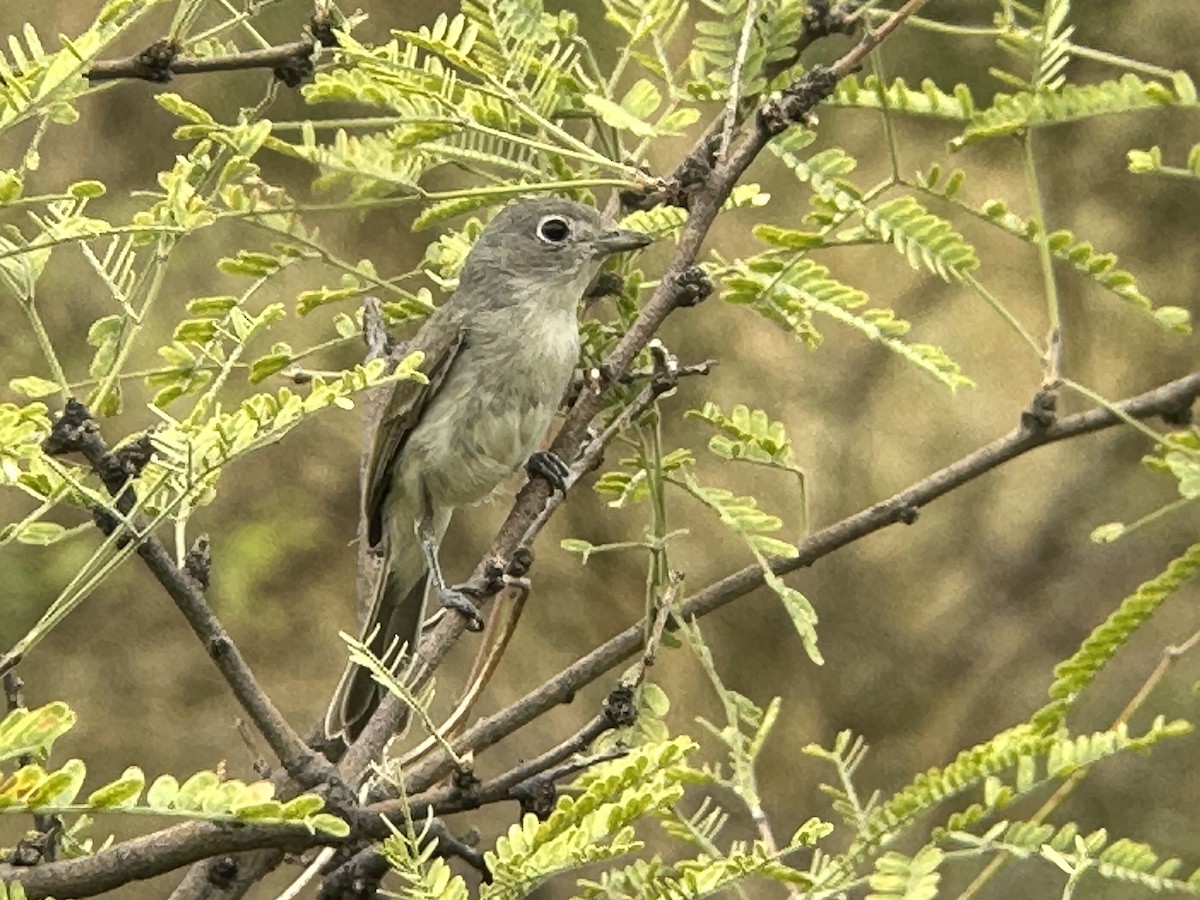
{"x":553,"y":229}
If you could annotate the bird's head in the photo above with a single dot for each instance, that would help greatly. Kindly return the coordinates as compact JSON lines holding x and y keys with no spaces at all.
{"x":546,"y":244}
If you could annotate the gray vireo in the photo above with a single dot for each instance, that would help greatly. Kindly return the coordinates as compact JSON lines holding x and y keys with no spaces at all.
{"x":499,"y":356}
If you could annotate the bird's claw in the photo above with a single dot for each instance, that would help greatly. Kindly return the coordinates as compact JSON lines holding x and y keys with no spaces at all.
{"x":450,"y":598}
{"x":548,"y":465}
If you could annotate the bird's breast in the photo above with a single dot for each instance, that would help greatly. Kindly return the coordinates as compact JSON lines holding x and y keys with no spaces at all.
{"x":495,"y":405}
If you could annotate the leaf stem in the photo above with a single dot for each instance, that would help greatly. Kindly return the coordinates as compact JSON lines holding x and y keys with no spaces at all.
{"x":47,"y":347}
{"x":1052,"y":360}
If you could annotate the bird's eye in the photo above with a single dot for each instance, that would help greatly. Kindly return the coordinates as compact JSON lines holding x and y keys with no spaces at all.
{"x":553,"y":229}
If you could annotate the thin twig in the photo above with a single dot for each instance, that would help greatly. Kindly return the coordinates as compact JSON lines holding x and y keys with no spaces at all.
{"x":1170,"y":655}
{"x":76,"y":431}
{"x":153,"y":854}
{"x":180,"y":845}
{"x":675,"y":287}
{"x":160,"y":62}
{"x":900,"y":508}
{"x":735,"y":80}
{"x":363,"y":871}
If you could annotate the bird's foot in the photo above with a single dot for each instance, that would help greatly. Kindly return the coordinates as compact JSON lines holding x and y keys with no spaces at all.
{"x":452,"y":598}
{"x":547,"y":465}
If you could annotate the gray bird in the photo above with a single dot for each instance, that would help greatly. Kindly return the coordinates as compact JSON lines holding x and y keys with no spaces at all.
{"x":499,"y":356}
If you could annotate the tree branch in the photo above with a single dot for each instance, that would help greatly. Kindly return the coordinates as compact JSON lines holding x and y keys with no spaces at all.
{"x":170,"y":848}
{"x":675,"y":288}
{"x":292,"y":62}
{"x":160,"y":62}
{"x":153,"y":854}
{"x":1166,"y":400}
{"x":76,"y":431}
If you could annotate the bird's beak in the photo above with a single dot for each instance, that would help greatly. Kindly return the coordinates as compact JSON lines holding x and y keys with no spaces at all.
{"x":618,"y":240}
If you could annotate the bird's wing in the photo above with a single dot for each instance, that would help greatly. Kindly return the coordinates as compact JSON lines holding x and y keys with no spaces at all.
{"x":441,"y":342}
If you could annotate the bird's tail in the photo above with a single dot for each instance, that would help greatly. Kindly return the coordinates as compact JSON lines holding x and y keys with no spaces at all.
{"x":397,"y":612}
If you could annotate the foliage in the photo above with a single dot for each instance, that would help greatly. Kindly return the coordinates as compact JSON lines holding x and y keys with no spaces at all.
{"x":411,"y":858}
{"x":452,"y":119}
{"x":208,"y":796}
{"x":594,"y":825}
{"x":1074,"y":674}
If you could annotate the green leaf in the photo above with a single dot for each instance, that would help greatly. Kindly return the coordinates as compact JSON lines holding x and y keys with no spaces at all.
{"x":617,"y":116}
{"x":799,"y":610}
{"x":788,"y":238}
{"x":329,"y":824}
{"x":1186,"y":468}
{"x":11,"y":185}
{"x":575,"y":545}
{"x":104,"y":329}
{"x":195,"y":331}
{"x":923,"y":237}
{"x":59,"y":788}
{"x":40,"y":533}
{"x":86,"y":190}
{"x":184,"y":109}
{"x":33,"y":386}
{"x":303,"y":806}
{"x":266,"y":809}
{"x":125,"y":791}
{"x":641,"y":100}
{"x":33,"y":732}
{"x":163,"y":792}
{"x":1074,"y":674}
{"x":1013,"y":113}
{"x":249,"y":263}
{"x":1174,"y":318}
{"x":194,"y":791}
{"x":266,"y":366}
{"x":307,"y":301}
{"x":211,"y":306}
{"x":1107,"y":534}
{"x":897,"y":877}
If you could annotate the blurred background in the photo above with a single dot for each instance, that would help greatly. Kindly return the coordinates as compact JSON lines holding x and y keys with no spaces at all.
{"x":935,"y":636}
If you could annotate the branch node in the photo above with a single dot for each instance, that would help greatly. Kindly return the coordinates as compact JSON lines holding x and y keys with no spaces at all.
{"x":154,"y":63}
{"x":295,"y":70}
{"x":692,"y":287}
{"x":69,"y":430}
{"x":108,"y":523}
{"x":223,"y":872}
{"x":537,"y":795}
{"x":37,"y":846}
{"x":218,"y":645}
{"x":1179,"y":416}
{"x":798,"y":101}
{"x":468,"y":786}
{"x":619,"y":707}
{"x":1041,"y":412}
{"x":321,"y":25}
{"x":681,"y":188}
{"x":521,"y":562}
{"x":198,"y":561}
{"x":134,"y":456}
{"x":357,"y":878}
{"x":823,"y":19}
{"x":462,"y":847}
